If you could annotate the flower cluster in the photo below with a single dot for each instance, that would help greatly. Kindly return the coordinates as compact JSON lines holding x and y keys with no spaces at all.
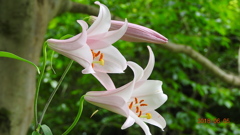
{"x":92,"y":49}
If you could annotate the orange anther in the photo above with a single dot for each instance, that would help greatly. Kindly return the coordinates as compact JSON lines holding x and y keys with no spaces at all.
{"x":143,"y":104}
{"x":141,"y":101}
{"x":96,"y":54}
{"x":140,"y":113}
{"x":93,"y":54}
{"x":130,"y":106}
{"x":136,"y":100}
{"x":101,"y":56}
{"x":137,"y":109}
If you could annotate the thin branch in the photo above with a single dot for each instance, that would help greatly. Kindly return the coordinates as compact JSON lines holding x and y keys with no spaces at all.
{"x":226,"y":77}
{"x":75,"y":7}
{"x":87,"y":9}
{"x":84,"y":9}
{"x":239,"y":61}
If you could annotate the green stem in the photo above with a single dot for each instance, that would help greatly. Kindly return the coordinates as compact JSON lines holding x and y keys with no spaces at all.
{"x":38,"y":85}
{"x":55,"y":90}
{"x":77,"y":117}
{"x":52,"y":62}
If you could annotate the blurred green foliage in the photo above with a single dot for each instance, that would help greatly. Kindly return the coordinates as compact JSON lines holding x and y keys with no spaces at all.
{"x":195,"y":95}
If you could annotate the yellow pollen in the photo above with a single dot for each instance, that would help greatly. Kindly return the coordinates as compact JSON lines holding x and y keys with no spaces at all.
{"x":149,"y":115}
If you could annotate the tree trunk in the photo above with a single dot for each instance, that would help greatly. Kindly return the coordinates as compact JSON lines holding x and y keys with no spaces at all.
{"x":22,"y":29}
{"x":23,"y":24}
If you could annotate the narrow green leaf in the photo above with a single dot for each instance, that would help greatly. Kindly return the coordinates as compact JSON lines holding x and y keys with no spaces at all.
{"x":46,"y":130}
{"x":13,"y":56}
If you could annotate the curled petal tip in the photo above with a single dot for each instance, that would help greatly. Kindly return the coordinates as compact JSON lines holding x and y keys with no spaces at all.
{"x":97,"y":2}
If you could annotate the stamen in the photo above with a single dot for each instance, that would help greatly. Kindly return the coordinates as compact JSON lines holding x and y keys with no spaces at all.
{"x":143,"y":104}
{"x":130,"y":106}
{"x":140,"y":113}
{"x":141,"y":101}
{"x":137,"y":109}
{"x":96,"y":54}
{"x":101,"y":56}
{"x":137,"y":104}
{"x":93,"y":54}
{"x":136,"y":100}
{"x":94,"y":113}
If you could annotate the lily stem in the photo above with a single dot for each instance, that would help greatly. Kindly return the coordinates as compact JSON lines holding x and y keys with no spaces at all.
{"x":55,"y":90}
{"x":39,"y":84}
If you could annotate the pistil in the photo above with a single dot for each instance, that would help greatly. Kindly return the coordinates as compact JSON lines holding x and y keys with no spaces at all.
{"x":148,"y":116}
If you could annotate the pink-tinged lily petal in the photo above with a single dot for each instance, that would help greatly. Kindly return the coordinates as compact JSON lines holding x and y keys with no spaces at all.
{"x":149,"y":68}
{"x":102,"y":22}
{"x":114,"y":62}
{"x":157,"y":120}
{"x":75,"y":48}
{"x":154,"y":97}
{"x":144,"y":91}
{"x":153,"y":101}
{"x":105,"y":80}
{"x":125,"y":91}
{"x":137,"y":70}
{"x":128,"y":123}
{"x":106,"y":39}
{"x":112,"y":103}
{"x":83,"y":56}
{"x":72,"y":43}
{"x":138,"y":33}
{"x":140,"y":123}
{"x":98,"y":34}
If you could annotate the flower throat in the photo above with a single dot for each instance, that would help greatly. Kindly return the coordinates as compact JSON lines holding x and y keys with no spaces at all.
{"x":99,"y":56}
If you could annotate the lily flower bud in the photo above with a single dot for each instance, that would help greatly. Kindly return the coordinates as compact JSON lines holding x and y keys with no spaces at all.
{"x":136,"y":33}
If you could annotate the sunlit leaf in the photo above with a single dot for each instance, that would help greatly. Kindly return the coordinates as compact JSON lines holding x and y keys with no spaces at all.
{"x":46,"y":130}
{"x":13,"y":56}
